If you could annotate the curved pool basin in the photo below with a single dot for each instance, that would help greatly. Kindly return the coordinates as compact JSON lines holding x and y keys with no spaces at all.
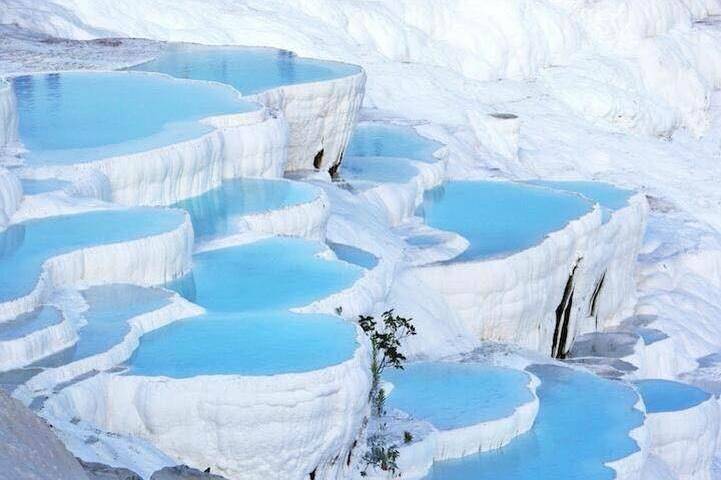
{"x":35,"y":187}
{"x":245,"y":344}
{"x":455,"y":395}
{"x":24,"y":247}
{"x":499,"y":218}
{"x":30,"y":322}
{"x":354,"y":255}
{"x":249,"y":70}
{"x":583,"y":422}
{"x":609,"y":197}
{"x":77,"y":117}
{"x":377,"y":170}
{"x":248,"y":330}
{"x":269,"y":275}
{"x":669,"y":396}
{"x":214,"y":213}
{"x":375,"y":139}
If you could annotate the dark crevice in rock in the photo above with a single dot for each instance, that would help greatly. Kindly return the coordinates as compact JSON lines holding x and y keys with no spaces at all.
{"x":318,"y":159}
{"x":563,"y":318}
{"x":333,"y":170}
{"x":312,"y":474}
{"x":593,"y":308}
{"x":350,"y":453}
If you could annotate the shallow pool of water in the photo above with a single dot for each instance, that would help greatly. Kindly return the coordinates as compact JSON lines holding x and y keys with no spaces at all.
{"x":669,"y":396}
{"x":29,"y":322}
{"x":34,"y":187}
{"x":354,"y":255}
{"x":583,"y":422}
{"x":245,"y":344}
{"x":217,"y":211}
{"x":609,"y":197}
{"x":77,"y":117}
{"x":499,"y":218}
{"x":375,"y":139}
{"x":248,"y":69}
{"x":454,"y":395}
{"x":377,"y":170}
{"x":25,"y":246}
{"x":248,"y":330}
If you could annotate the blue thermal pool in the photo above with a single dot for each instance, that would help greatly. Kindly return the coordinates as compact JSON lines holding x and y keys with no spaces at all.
{"x":28,"y":323}
{"x":248,"y":330}
{"x":583,"y":422}
{"x":354,"y":255}
{"x":217,"y":211}
{"x":388,"y":140}
{"x":609,"y":197}
{"x":455,"y":395}
{"x":377,"y":170}
{"x":24,"y":247}
{"x":34,"y":187}
{"x":667,"y":396}
{"x":499,"y":218}
{"x":248,"y":69}
{"x":67,"y":118}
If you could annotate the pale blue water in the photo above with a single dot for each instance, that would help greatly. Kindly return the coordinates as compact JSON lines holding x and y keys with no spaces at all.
{"x":607,"y":195}
{"x":388,"y":140}
{"x":248,"y":69}
{"x":668,"y":396}
{"x":499,"y":218}
{"x":269,"y":275}
{"x":246,"y":344}
{"x":583,"y":422}
{"x":25,"y":246}
{"x":651,"y":335}
{"x":215,"y":212}
{"x":354,"y":255}
{"x":378,"y":169}
{"x":247,"y":329}
{"x":29,"y":322}
{"x":454,"y":395}
{"x":72,"y":117}
{"x":33,"y":187}
{"x":109,"y":309}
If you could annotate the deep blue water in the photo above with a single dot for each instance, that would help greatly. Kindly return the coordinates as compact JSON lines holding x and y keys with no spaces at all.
{"x":249,"y":70}
{"x":454,"y":395}
{"x":669,"y":396}
{"x":499,"y":218}
{"x":73,"y":117}
{"x":583,"y":422}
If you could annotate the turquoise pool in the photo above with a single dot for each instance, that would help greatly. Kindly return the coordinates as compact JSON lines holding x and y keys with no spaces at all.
{"x":248,"y":330}
{"x":609,"y":197}
{"x":24,"y":247}
{"x":34,"y":187}
{"x":216,"y":212}
{"x":248,"y":69}
{"x":583,"y":422}
{"x":387,"y":140}
{"x":455,"y":395}
{"x":377,"y":170}
{"x":668,"y":396}
{"x":77,"y":117}
{"x":28,"y":323}
{"x":499,"y":218}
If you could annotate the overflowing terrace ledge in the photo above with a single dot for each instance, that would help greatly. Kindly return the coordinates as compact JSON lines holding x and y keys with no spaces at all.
{"x":10,"y":196}
{"x":421,"y":411}
{"x":320,"y":100}
{"x":577,"y":279}
{"x":267,"y":420}
{"x":8,"y":120}
{"x":173,"y":159}
{"x":258,"y":206}
{"x":143,"y":259}
{"x":682,"y":423}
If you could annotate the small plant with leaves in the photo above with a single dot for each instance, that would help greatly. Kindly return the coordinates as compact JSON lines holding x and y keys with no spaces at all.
{"x":385,"y":337}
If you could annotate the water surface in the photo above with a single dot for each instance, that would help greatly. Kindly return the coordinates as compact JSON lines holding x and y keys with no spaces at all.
{"x":376,"y":139}
{"x":669,"y":396}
